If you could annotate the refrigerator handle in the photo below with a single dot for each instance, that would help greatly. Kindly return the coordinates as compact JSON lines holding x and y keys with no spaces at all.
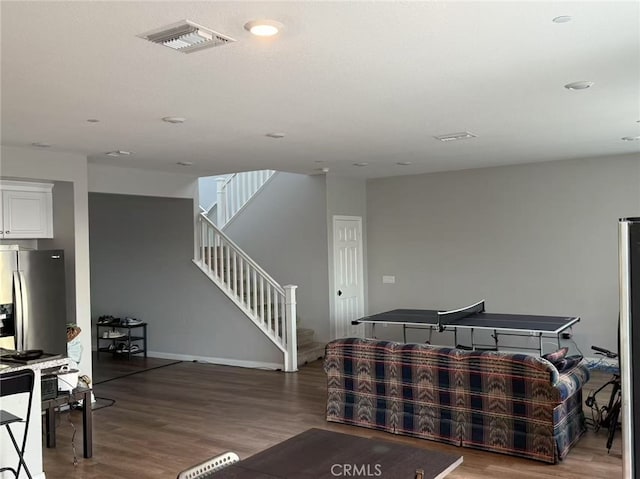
{"x":25,"y":310}
{"x":19,"y":312}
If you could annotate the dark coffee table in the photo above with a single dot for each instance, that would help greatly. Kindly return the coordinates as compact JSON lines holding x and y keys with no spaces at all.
{"x":320,"y":454}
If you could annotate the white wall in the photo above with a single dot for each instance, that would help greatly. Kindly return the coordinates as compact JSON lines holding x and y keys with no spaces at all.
{"x":538,"y":238}
{"x":133,"y":181}
{"x":33,"y":164}
{"x":347,"y":197}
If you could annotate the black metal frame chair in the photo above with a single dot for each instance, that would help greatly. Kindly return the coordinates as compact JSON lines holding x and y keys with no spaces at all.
{"x":12,"y":383}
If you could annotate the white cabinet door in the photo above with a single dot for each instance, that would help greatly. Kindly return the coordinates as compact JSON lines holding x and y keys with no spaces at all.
{"x":27,"y":214}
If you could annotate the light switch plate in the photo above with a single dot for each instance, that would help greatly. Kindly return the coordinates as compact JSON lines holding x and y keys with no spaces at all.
{"x":388,"y":279}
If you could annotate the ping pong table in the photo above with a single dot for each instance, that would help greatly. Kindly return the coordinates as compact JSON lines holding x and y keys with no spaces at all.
{"x":473,"y":318}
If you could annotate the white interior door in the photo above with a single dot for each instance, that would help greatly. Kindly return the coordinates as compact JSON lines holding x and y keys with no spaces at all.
{"x":348,"y":276}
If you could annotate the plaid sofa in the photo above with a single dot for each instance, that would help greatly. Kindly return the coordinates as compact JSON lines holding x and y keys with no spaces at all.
{"x":496,"y":401}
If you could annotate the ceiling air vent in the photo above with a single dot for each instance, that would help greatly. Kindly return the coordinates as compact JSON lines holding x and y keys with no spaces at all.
{"x":464,"y":135}
{"x":186,"y":37}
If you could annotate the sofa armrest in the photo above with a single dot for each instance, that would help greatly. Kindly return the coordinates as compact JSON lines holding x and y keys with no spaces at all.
{"x":572,"y":380}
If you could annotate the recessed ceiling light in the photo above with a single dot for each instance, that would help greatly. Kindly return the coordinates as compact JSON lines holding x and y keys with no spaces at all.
{"x":40,"y":144}
{"x":323,"y":170}
{"x":362,"y":163}
{"x":403,"y":163}
{"x":275,"y":135}
{"x":185,"y":163}
{"x":117,"y":153}
{"x":562,"y":19}
{"x":579,"y":85}
{"x":174,"y":119}
{"x":630,"y":138}
{"x":93,"y":120}
{"x":463,"y":135}
{"x":263,"y":28}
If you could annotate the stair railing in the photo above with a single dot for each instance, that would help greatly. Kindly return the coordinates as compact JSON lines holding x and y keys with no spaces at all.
{"x":271,"y":307}
{"x":235,"y":192}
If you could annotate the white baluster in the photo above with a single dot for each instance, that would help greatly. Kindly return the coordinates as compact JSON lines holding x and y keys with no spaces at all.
{"x":245,"y":190}
{"x":262,"y":315}
{"x":276,"y":323}
{"x":202,"y":246}
{"x":209,"y":246}
{"x":216,"y":266}
{"x":234,"y":266}
{"x":227,"y":272}
{"x":269,"y":317}
{"x":255,"y":291}
{"x":241,"y":280}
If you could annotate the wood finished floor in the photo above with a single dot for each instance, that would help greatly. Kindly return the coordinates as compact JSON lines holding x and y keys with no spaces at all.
{"x":169,"y":418}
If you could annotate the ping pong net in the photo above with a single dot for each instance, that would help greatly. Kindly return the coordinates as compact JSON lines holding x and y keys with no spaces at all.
{"x":449,"y":317}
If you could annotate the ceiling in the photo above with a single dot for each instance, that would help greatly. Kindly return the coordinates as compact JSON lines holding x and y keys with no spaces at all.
{"x":346,"y":82}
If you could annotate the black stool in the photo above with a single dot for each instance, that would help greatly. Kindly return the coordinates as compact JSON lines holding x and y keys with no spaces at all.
{"x":12,"y":383}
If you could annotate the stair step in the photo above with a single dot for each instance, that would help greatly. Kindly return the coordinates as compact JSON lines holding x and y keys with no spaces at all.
{"x":312,"y":352}
{"x":305,"y":337}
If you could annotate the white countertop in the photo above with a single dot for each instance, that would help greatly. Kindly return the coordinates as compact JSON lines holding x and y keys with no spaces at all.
{"x":6,"y":367}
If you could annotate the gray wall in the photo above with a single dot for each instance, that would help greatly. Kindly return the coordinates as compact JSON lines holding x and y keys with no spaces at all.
{"x":64,"y":238}
{"x":141,"y":266}
{"x":284,"y":229}
{"x":538,"y":238}
{"x":345,"y":197}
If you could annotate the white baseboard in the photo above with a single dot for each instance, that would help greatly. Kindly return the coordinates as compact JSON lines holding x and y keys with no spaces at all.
{"x":220,"y":361}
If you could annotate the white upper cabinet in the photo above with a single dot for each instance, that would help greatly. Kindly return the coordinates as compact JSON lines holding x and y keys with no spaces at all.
{"x":27,"y":210}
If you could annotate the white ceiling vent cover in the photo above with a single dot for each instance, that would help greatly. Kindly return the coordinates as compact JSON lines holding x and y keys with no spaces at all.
{"x":463,"y":135}
{"x":186,"y":37}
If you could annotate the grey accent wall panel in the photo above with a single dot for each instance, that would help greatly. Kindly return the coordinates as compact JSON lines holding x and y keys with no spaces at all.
{"x":141,"y":266}
{"x":538,"y":238}
{"x":64,"y":238}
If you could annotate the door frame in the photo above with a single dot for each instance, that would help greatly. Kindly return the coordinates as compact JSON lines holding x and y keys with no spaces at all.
{"x":333,"y":326}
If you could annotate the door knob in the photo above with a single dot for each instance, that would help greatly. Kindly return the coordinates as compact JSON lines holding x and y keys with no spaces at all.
{"x":339,"y":293}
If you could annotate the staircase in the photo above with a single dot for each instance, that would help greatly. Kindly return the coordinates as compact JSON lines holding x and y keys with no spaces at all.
{"x":271,"y":307}
{"x":309,"y":350}
{"x":235,"y":192}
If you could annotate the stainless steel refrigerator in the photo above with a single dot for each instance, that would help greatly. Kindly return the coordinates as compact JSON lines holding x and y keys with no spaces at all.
{"x":33,"y":306}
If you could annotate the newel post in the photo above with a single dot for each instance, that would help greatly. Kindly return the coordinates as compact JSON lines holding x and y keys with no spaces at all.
{"x":291,"y":356}
{"x":221,"y":210}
